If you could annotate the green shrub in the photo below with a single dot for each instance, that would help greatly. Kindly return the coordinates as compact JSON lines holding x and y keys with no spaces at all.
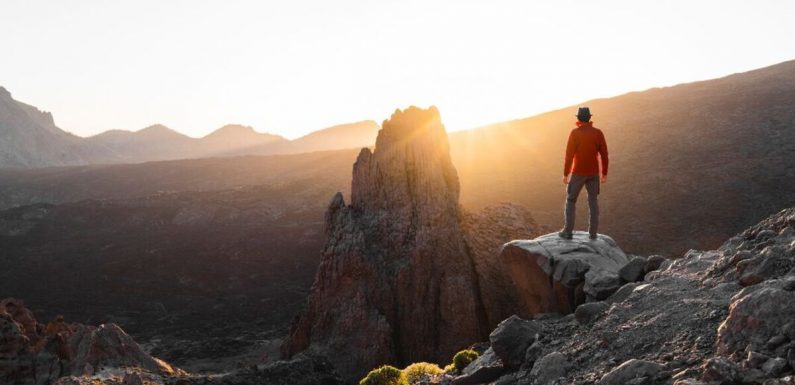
{"x":385,"y":375}
{"x":449,"y":369}
{"x":463,"y":358}
{"x":417,"y":371}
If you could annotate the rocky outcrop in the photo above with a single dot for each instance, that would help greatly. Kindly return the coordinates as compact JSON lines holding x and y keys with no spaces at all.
{"x":32,"y":353}
{"x":484,"y":369}
{"x":693,"y":321}
{"x":108,"y":346}
{"x":398,"y":278}
{"x":511,"y":339}
{"x":486,"y":232}
{"x":554,"y":275}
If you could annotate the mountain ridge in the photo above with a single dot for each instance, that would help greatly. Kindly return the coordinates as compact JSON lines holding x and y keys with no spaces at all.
{"x":31,"y":139}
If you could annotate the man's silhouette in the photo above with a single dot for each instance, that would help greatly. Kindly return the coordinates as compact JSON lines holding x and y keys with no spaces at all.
{"x":585,"y":143}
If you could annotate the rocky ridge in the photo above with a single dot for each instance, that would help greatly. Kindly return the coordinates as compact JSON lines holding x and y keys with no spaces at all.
{"x":399,"y":280}
{"x":34,"y":353}
{"x":63,"y":353}
{"x":723,"y":316}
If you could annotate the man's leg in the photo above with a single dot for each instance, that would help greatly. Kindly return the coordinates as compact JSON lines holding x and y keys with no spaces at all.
{"x":592,"y":186}
{"x":572,"y":192}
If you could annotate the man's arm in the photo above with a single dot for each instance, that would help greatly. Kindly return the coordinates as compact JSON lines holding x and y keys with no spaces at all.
{"x":571,"y":148}
{"x":603,"y":155}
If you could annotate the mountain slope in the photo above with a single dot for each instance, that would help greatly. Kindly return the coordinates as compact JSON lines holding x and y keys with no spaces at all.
{"x":352,"y":135}
{"x":31,"y":139}
{"x":689,"y":165}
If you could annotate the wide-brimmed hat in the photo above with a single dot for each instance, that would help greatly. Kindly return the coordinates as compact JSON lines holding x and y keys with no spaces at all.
{"x":584,"y":114}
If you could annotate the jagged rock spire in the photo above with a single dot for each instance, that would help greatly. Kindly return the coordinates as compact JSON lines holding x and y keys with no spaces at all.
{"x":396,"y":281}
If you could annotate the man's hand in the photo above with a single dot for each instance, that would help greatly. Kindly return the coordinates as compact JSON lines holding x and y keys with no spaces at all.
{"x":565,"y":179}
{"x":604,"y":178}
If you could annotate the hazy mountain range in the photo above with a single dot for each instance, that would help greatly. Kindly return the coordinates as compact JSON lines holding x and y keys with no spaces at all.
{"x":31,"y":139}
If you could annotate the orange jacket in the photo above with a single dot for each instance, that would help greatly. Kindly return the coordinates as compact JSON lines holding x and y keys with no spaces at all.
{"x":585,"y":142}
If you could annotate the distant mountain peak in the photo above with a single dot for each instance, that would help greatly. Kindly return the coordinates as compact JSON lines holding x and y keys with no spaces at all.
{"x":235,"y":129}
{"x":160,"y":131}
{"x":235,"y":136}
{"x":4,"y":93}
{"x":157,"y":127}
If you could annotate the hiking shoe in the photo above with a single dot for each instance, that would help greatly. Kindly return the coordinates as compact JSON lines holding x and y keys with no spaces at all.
{"x":592,"y":236}
{"x":565,"y":235}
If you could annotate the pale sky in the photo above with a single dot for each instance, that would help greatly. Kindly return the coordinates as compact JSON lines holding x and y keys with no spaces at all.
{"x":294,"y":66}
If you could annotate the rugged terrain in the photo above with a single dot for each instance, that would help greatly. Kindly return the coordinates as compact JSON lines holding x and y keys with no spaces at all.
{"x":714,"y":317}
{"x":162,"y":227}
{"x":724,"y":316}
{"x":398,"y":280}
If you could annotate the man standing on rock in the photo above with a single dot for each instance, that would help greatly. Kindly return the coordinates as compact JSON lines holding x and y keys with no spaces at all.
{"x":585,"y":143}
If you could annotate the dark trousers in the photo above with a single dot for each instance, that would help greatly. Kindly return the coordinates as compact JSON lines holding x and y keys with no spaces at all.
{"x":573,"y":189}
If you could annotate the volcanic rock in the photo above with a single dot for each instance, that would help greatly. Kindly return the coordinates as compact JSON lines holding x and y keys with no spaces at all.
{"x":511,"y":339}
{"x":589,"y":312}
{"x":486,"y":231}
{"x":634,"y":270}
{"x":549,"y":368}
{"x":689,"y":322}
{"x":653,"y":263}
{"x":108,"y":346}
{"x":638,"y":371}
{"x":756,"y":315}
{"x":553,"y":274}
{"x":484,"y":369}
{"x":31,"y":353}
{"x":398,"y":278}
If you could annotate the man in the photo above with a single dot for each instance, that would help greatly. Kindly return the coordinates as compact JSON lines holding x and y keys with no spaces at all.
{"x":585,"y":143}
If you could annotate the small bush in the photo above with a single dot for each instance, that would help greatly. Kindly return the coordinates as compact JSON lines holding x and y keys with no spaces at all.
{"x":463,"y":358}
{"x":385,"y":375}
{"x":417,"y":371}
{"x":449,"y":369}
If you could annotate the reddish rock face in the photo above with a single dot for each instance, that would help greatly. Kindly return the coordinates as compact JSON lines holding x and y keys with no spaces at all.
{"x":33,"y":354}
{"x":397,"y":281}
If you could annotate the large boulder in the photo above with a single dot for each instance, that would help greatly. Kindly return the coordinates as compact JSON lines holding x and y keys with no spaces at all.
{"x":757,"y":315}
{"x":511,"y":339}
{"x":484,"y":369}
{"x":634,"y":270}
{"x":552,"y":274}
